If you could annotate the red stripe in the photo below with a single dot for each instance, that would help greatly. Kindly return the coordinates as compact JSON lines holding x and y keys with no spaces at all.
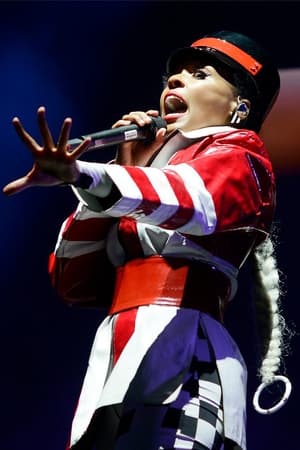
{"x":244,"y":59}
{"x":93,"y":229}
{"x":69,"y":221}
{"x":129,"y":238}
{"x":123,"y":329}
{"x":151,"y":200}
{"x":186,"y":209}
{"x":85,"y":279}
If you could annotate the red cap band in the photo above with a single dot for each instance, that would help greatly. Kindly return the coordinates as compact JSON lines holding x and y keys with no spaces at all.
{"x":238,"y":55}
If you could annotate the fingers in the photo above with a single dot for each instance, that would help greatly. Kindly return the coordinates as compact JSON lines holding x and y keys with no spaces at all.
{"x":152,"y":112}
{"x":82,"y":147}
{"x":44,"y":129}
{"x":160,"y":135}
{"x":141,"y":118}
{"x":64,"y":133}
{"x":24,"y":136}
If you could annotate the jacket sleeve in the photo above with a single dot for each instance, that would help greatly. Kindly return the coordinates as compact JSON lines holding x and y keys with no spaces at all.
{"x":225,"y":184}
{"x":79,"y":268}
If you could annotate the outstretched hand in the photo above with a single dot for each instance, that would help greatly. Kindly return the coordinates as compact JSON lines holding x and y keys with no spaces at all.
{"x":53,"y":163}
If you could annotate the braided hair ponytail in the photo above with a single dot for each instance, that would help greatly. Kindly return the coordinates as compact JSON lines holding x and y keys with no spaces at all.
{"x":271,"y":324}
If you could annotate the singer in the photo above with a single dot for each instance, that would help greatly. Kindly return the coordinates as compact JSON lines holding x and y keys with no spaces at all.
{"x":158,"y":239}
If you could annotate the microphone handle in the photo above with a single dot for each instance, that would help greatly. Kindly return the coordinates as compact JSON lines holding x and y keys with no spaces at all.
{"x":119,"y":135}
{"x":110,"y":137}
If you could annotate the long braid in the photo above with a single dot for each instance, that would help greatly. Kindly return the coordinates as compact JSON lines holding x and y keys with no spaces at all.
{"x":271,"y":324}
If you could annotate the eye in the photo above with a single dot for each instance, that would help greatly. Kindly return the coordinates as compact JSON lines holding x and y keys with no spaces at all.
{"x":200,"y":74}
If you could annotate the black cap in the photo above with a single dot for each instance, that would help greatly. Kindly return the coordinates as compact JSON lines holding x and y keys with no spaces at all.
{"x":243,"y":62}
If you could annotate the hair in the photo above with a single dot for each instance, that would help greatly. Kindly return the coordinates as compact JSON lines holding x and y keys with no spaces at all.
{"x":245,"y":89}
{"x":271,"y":324}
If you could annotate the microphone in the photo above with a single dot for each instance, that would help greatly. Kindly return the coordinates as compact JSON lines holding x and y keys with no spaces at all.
{"x":119,"y":135}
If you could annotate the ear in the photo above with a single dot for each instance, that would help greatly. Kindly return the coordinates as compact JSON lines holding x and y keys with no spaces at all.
{"x":241,"y":110}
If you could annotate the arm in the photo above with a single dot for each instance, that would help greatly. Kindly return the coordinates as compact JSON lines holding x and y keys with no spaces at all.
{"x":205,"y":188}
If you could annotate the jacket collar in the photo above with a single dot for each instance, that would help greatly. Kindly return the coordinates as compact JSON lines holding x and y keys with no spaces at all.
{"x":179,"y":139}
{"x":207,"y":131}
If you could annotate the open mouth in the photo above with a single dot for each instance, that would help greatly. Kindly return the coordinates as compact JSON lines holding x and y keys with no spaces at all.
{"x":174,"y":107}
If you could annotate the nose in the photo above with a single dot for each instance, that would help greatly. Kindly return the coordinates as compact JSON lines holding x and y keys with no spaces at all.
{"x":176,"y":80}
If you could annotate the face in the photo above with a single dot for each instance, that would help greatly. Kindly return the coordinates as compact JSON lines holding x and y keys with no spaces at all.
{"x":196,"y":97}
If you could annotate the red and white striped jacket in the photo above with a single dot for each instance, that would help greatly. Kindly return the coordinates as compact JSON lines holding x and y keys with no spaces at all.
{"x":208,"y":196}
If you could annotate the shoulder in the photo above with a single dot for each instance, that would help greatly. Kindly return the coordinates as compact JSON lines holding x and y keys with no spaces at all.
{"x":239,"y":141}
{"x":241,"y":138}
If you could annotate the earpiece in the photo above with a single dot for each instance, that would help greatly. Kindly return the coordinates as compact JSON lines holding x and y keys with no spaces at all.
{"x":241,"y":112}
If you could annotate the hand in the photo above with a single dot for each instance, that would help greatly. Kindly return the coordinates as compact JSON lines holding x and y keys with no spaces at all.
{"x":137,"y":153}
{"x":53,"y":164}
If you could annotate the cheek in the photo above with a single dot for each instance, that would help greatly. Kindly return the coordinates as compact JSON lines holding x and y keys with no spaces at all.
{"x":201,"y":99}
{"x":201,"y":91}
{"x":212,"y":99}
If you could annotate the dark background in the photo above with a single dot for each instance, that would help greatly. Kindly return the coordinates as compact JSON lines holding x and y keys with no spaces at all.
{"x":95,"y":61}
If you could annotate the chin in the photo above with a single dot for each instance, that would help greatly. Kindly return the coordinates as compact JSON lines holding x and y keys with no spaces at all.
{"x":172,"y":126}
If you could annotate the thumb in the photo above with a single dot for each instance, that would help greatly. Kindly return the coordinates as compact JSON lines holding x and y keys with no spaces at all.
{"x":160,"y":135}
{"x":16,"y":186}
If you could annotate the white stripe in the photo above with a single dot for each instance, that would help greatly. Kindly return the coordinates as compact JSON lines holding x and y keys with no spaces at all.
{"x":204,"y":219}
{"x":95,"y":170}
{"x":131,"y":194}
{"x":99,"y":363}
{"x":210,"y":392}
{"x":71,"y":249}
{"x":231,"y":367}
{"x":168,"y":200}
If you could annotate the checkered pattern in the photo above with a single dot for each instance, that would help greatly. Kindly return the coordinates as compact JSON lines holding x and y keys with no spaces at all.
{"x":201,"y":422}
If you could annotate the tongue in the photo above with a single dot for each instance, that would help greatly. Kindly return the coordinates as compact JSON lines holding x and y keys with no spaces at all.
{"x":175,"y":105}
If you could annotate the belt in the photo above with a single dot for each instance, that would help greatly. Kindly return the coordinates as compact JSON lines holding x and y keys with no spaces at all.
{"x":170,"y":282}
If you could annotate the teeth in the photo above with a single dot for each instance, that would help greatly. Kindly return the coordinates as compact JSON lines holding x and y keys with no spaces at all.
{"x":174,"y":104}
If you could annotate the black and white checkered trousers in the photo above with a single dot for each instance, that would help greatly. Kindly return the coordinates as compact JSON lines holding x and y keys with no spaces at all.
{"x":201,"y":418}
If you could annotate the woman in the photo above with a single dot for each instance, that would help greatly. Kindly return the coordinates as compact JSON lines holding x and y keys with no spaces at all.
{"x":158,"y":238}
